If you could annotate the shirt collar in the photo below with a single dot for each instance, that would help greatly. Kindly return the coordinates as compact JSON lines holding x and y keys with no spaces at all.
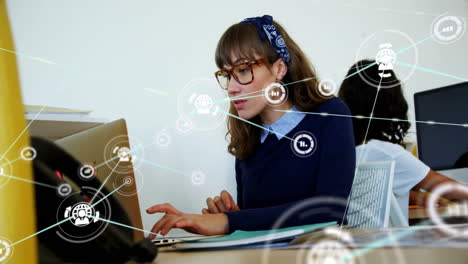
{"x":284,"y":125}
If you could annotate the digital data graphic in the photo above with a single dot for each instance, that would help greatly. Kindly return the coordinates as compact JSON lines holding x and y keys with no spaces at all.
{"x":203,"y":107}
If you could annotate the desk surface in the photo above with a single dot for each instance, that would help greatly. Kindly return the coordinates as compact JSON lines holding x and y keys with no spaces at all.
{"x":273,"y":256}
{"x":281,"y":256}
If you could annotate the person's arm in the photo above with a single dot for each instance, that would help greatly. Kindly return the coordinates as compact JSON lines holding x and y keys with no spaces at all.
{"x":420,"y":198}
{"x":434,"y":179}
{"x":334,"y":179}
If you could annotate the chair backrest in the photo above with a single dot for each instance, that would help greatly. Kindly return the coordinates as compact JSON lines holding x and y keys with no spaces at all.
{"x":372,"y":203}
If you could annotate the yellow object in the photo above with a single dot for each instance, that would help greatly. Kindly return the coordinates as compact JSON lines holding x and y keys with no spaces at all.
{"x":415,"y":150}
{"x":17,"y":209}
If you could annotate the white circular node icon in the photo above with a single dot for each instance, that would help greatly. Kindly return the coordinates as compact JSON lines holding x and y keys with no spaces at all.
{"x":327,"y":88}
{"x":304,"y":144}
{"x":28,"y":153}
{"x":64,"y":189}
{"x":184,"y":125}
{"x":203,"y":104}
{"x":124,"y":154}
{"x":329,"y":252}
{"x":81,"y":214}
{"x":275,"y":93}
{"x":128,"y":180}
{"x":198,"y":177}
{"x":5,"y":251}
{"x":461,"y":209}
{"x":87,"y":172}
{"x":163,"y":139}
{"x":448,"y":29}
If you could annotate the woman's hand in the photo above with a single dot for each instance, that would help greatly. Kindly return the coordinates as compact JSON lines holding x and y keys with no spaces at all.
{"x":220,"y":204}
{"x":208,"y":225}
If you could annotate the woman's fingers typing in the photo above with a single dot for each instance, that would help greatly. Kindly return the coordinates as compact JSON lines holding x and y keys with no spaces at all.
{"x":163,"y":208}
{"x":212,"y":208}
{"x":157,"y":226}
{"x":227,"y":200}
{"x":220,"y":204}
{"x":170,"y":223}
{"x":232,"y":204}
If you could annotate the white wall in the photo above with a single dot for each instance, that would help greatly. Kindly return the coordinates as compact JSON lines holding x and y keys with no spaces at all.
{"x":108,"y":51}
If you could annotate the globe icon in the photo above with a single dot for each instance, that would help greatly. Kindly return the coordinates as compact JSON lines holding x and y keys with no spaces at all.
{"x":81,"y":214}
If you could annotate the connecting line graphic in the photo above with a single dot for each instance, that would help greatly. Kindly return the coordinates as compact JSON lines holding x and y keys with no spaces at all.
{"x":29,"y":181}
{"x":400,"y":51}
{"x":109,"y":194}
{"x":21,"y":134}
{"x":236,"y":97}
{"x":383,"y":242}
{"x":446,"y":239}
{"x":58,"y":223}
{"x":242,"y":96}
{"x":37,"y":233}
{"x":239,"y":98}
{"x":104,"y":183}
{"x":127,"y":226}
{"x":365,"y":137}
{"x":117,"y":157}
{"x":370,"y":118}
{"x":42,"y":60}
{"x":156,"y":91}
{"x":414,"y":45}
{"x":432,"y":71}
{"x":10,"y":162}
{"x":46,"y":61}
{"x":393,"y":10}
{"x":259,"y":126}
{"x":376,"y":118}
{"x":163,"y":167}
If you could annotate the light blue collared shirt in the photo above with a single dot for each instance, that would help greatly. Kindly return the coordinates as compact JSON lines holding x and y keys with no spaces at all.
{"x":284,"y":125}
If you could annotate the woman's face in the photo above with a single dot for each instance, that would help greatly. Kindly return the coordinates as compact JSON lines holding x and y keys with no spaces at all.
{"x":254,"y":104}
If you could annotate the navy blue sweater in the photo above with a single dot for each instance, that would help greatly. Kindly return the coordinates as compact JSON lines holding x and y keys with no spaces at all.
{"x":274,"y":179}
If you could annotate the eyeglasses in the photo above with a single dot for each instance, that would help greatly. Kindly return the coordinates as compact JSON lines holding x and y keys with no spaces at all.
{"x":242,"y":73}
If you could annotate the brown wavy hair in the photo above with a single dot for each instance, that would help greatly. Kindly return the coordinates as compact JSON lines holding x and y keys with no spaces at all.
{"x":243,"y":40}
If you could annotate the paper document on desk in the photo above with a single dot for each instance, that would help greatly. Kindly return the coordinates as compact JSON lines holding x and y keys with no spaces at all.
{"x":241,"y":238}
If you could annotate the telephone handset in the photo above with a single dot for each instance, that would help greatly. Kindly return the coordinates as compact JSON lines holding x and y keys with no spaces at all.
{"x":113,"y":243}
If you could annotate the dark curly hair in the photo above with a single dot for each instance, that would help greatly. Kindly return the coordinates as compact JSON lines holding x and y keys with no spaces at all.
{"x":359,"y":92}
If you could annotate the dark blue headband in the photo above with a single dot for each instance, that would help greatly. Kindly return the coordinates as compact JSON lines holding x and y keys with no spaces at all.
{"x":265,"y":28}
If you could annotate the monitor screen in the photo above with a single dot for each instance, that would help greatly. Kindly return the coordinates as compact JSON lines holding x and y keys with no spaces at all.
{"x":443,"y":146}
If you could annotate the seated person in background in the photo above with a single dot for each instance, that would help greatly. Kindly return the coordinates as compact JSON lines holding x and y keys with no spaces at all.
{"x":383,"y":139}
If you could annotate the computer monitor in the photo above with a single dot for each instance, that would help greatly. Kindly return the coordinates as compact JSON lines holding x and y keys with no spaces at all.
{"x":443,"y":146}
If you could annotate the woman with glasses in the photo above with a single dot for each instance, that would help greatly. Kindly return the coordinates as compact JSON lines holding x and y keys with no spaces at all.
{"x":284,"y":156}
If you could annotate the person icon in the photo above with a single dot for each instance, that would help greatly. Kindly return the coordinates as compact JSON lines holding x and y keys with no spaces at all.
{"x":82,"y":219}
